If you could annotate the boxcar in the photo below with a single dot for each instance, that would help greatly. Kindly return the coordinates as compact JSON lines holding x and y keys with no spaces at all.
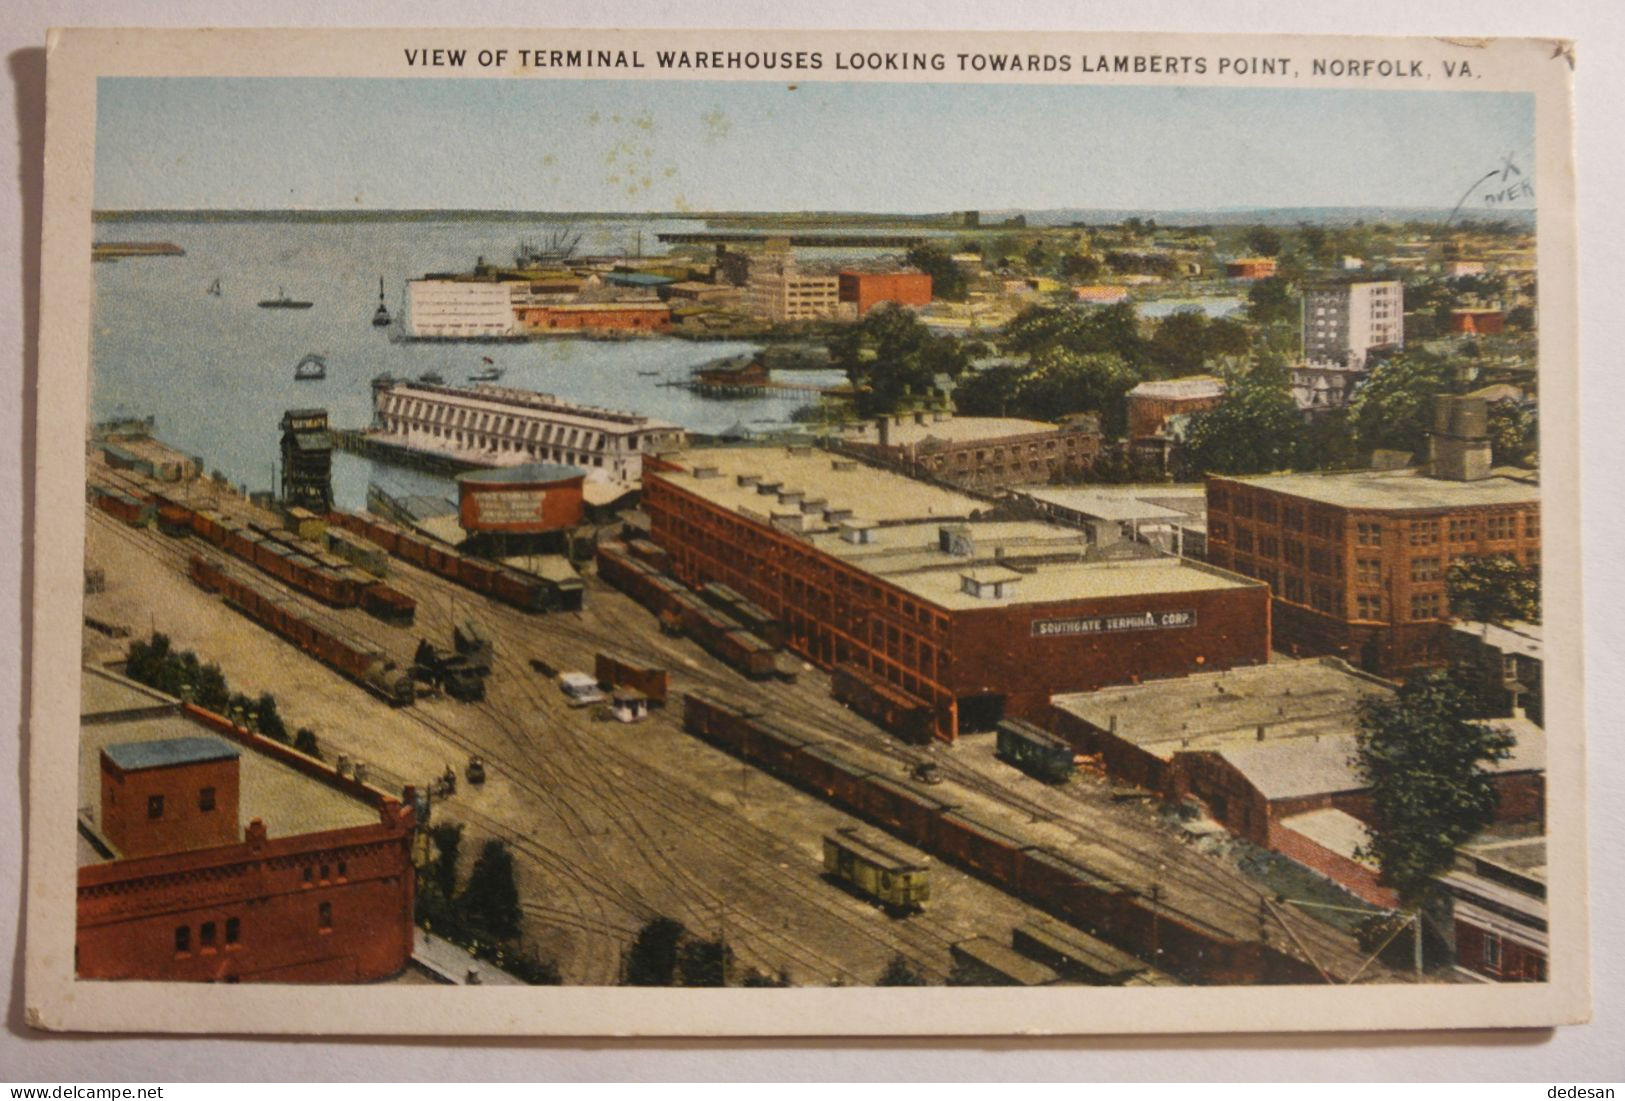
{"x":896,"y":882}
{"x":1035,"y":751}
{"x":615,"y":671}
{"x":884,"y":704}
{"x":389,"y":604}
{"x":174,"y":520}
{"x":825,"y":770}
{"x":980,"y":846}
{"x":913,"y":814}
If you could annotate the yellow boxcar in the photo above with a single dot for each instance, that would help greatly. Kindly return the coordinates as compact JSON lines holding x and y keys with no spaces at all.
{"x":871,"y":870}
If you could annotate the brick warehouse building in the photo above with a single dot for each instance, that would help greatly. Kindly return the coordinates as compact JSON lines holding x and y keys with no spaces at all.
{"x":1357,"y":561}
{"x":172,"y":886}
{"x":868,"y":289}
{"x":979,"y":618}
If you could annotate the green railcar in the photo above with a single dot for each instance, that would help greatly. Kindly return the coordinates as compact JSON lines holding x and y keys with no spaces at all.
{"x":898,"y":884}
{"x":1035,"y":751}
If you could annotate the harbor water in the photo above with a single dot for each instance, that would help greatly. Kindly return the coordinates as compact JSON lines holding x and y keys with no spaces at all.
{"x":217,"y":371}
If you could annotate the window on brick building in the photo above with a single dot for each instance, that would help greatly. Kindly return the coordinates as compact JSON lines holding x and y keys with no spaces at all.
{"x":1320,"y":598}
{"x":1368,"y":606}
{"x":1368,"y":571}
{"x":155,"y":807}
{"x":1269,"y":546}
{"x":1243,"y":506}
{"x":1320,"y":525}
{"x":1492,"y":951}
{"x":1292,"y":518}
{"x":1219,"y":530}
{"x":205,"y":799}
{"x":1320,"y":562}
{"x":205,"y":935}
{"x":1531,"y":525}
{"x":1425,"y":569}
{"x":1501,"y":526}
{"x":1293,"y":551}
{"x":234,"y":928}
{"x":1266,"y":511}
{"x":1425,"y":605}
{"x":1424,"y":532}
{"x":324,"y":916}
{"x":1368,"y":534}
{"x":183,"y":938}
{"x":1218,"y":499}
{"x":1244,"y":538}
{"x":1292,"y":588}
{"x":1464,"y":529}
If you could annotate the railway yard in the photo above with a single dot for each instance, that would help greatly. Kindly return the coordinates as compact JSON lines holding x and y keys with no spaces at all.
{"x":612,"y":824}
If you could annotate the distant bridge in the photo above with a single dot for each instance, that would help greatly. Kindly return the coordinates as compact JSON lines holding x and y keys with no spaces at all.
{"x":798,"y":240}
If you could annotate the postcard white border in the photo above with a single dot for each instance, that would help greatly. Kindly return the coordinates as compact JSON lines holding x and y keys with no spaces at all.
{"x":54,"y":1000}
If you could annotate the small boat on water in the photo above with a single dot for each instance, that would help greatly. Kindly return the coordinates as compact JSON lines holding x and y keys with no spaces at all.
{"x":214,"y":288}
{"x":433,"y":378}
{"x":380,"y":316}
{"x":489,"y":373}
{"x":283,"y":302}
{"x":649,"y":374}
{"x":310,"y":369}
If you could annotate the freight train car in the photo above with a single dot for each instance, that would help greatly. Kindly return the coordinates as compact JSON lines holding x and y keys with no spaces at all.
{"x":882,"y":703}
{"x":122,"y":506}
{"x":359,"y":552}
{"x":1139,"y":921}
{"x":354,"y":658}
{"x":501,"y":583}
{"x":1035,"y":751}
{"x":614,"y":671}
{"x":389,"y":604}
{"x":899,"y":884}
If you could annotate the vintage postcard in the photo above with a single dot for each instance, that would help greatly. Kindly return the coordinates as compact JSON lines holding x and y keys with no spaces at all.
{"x":690,"y":533}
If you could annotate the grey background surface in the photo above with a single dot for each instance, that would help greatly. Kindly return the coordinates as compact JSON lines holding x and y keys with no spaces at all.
{"x":1576,"y":1054}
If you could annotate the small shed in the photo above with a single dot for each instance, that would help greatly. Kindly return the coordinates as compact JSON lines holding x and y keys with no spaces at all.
{"x":628,"y":705}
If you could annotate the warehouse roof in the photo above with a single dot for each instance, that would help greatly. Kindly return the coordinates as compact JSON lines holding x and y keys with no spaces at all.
{"x":1400,"y":489}
{"x":287,"y":801}
{"x":1510,"y":638}
{"x":906,"y":432}
{"x":1333,"y":830}
{"x":1184,"y":504}
{"x":1306,"y":699}
{"x":902,"y":522}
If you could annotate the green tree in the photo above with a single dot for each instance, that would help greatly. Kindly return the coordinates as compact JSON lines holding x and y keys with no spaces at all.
{"x":1422,"y":758}
{"x":1271,"y":302}
{"x":270,"y":722}
{"x":1493,"y":588}
{"x":1179,"y":343}
{"x":491,"y":898}
{"x":947,"y":280}
{"x":1514,"y":430}
{"x":652,"y":960}
{"x":1256,"y":429}
{"x":304,"y":740}
{"x":900,"y":972}
{"x":704,"y":962}
{"x":891,"y":354}
{"x":1394,"y":409}
{"x":1263,"y":241}
{"x":447,"y":838}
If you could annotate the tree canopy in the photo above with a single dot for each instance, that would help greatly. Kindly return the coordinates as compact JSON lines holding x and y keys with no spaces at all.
{"x":1256,"y":429}
{"x":890,"y":354}
{"x":1394,"y":409}
{"x":491,"y":896}
{"x":947,"y":280}
{"x":1494,"y":588}
{"x":1423,"y":758}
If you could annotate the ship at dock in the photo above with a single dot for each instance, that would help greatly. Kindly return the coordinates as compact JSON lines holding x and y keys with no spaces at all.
{"x":283,"y":302}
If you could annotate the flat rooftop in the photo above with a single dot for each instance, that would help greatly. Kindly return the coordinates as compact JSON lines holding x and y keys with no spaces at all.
{"x":1051,"y":563}
{"x":1509,"y":638}
{"x":950,"y":430}
{"x":288,"y":802}
{"x":1184,"y":504}
{"x":1335,"y":831}
{"x":1400,"y":489}
{"x":1304,"y":699}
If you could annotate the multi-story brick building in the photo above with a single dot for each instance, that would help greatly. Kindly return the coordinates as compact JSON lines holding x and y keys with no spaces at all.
{"x":868,"y":289}
{"x":977,"y":618}
{"x":1344,"y":320}
{"x":316,"y":887}
{"x":979,"y":452}
{"x":1504,"y":663}
{"x":1356,"y":561}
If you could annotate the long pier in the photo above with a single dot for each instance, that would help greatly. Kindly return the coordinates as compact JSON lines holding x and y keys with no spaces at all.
{"x":357,"y":442}
{"x":798,"y":240}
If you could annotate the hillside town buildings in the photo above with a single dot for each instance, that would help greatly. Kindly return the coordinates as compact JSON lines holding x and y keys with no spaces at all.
{"x":978,"y":452}
{"x":1345,"y":320}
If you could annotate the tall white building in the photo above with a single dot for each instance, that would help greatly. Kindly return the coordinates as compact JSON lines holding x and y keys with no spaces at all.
{"x":1343,"y":321}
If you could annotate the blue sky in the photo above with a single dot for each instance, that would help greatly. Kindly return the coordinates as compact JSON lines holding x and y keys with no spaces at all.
{"x":533,"y":144}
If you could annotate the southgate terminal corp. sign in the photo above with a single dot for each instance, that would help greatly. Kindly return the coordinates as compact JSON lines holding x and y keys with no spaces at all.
{"x":1105,"y":624}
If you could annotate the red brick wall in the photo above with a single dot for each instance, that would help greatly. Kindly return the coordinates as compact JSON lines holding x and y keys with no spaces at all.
{"x":1518,"y":963}
{"x":870,"y":289}
{"x":1357,"y":878}
{"x":544,"y":319}
{"x":1252,"y":530}
{"x":183,"y":823}
{"x":1147,"y":415}
{"x":129,"y":910}
{"x":837,"y":614}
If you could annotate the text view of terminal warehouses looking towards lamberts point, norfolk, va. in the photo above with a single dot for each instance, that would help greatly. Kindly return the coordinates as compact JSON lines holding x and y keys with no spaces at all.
{"x":1033,"y":596}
